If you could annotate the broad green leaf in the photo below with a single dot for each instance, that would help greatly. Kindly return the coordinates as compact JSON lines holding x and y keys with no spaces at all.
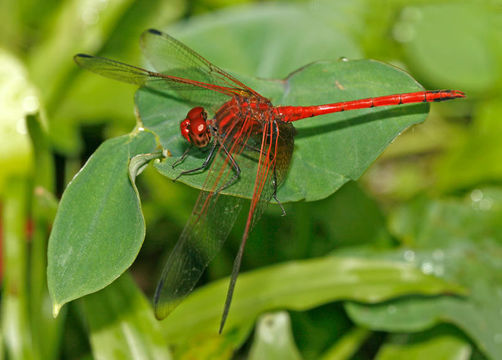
{"x":122,"y":325}
{"x":310,"y":229}
{"x":433,"y":225}
{"x":476,"y":314}
{"x":329,"y":150}
{"x":99,"y":227}
{"x":441,"y":343}
{"x":458,"y":241}
{"x":273,"y":338}
{"x":299,"y":285}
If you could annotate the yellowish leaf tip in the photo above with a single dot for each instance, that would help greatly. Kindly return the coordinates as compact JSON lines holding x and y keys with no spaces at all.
{"x":55,"y":309}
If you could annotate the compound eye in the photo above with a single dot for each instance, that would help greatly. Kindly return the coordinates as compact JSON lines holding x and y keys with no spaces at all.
{"x":194,"y":128}
{"x":185,"y":129}
{"x":197,"y":113}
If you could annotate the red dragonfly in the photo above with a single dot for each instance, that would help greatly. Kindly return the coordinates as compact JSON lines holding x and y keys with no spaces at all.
{"x":243,"y":121}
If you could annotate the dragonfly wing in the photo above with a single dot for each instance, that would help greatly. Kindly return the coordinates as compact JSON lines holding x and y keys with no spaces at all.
{"x":210,"y":223}
{"x":171,"y":56}
{"x":198,"y":93}
{"x":114,"y":69}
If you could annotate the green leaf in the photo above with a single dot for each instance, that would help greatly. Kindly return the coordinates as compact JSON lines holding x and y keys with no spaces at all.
{"x":299,"y":285}
{"x":122,"y":325}
{"x":329,"y":150}
{"x":458,"y":241}
{"x":310,"y":229}
{"x":139,"y":162}
{"x":346,"y":347}
{"x":441,"y":343}
{"x":273,"y":338}
{"x":99,"y":227}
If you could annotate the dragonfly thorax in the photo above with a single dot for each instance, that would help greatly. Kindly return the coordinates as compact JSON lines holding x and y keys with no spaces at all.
{"x":242,"y":115}
{"x":195,"y":129}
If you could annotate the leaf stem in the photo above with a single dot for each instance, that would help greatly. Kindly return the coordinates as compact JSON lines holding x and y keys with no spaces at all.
{"x":15,"y":325}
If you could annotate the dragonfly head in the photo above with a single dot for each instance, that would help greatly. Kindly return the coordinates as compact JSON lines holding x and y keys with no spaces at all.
{"x":194,"y":128}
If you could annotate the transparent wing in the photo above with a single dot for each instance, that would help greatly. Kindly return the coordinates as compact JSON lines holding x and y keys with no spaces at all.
{"x":182,"y":73}
{"x":169,"y":55}
{"x":189,"y":90}
{"x":207,"y":229}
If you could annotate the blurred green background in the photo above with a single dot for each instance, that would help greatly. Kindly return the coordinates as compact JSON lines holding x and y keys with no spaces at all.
{"x":430,"y":205}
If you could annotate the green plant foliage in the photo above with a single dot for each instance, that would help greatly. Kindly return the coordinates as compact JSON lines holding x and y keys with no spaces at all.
{"x":300,"y":285}
{"x":118,"y":314}
{"x":347,"y":345}
{"x":18,"y":340}
{"x":273,"y":338}
{"x":404,"y":263}
{"x":46,"y":330}
{"x":99,"y":228}
{"x":438,"y":343}
{"x":267,"y":30}
{"x":474,"y":158}
{"x":352,"y":154}
{"x":456,"y":240}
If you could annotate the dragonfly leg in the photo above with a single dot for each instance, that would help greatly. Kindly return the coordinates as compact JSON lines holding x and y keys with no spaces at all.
{"x":203,"y":166}
{"x":182,"y":157}
{"x":274,"y":181}
{"x":235,"y":166}
{"x":274,"y":195}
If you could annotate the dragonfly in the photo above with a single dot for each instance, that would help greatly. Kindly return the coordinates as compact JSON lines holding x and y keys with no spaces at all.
{"x":229,"y":120}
